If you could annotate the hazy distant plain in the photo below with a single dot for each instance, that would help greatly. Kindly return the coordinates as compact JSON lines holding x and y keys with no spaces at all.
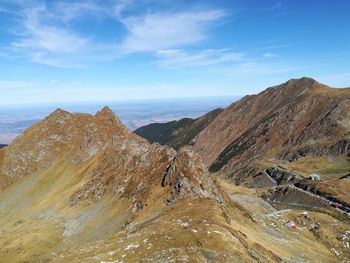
{"x":15,"y":119}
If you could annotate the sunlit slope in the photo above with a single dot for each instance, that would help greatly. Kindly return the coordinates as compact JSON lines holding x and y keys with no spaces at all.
{"x":82,"y":188}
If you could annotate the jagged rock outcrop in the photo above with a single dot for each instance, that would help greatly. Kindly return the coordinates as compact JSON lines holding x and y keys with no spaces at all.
{"x":134,"y":176}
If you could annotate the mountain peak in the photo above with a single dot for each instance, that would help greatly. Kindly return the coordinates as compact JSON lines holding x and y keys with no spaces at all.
{"x":107,"y":113}
{"x":106,"y":110}
{"x":293,"y":88}
{"x":303,"y":83}
{"x":58,"y":113}
{"x":77,"y":135}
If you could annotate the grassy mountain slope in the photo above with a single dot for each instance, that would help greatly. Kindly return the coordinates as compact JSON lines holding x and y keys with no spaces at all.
{"x":176,"y":133}
{"x":82,"y":188}
{"x":296,"y":119}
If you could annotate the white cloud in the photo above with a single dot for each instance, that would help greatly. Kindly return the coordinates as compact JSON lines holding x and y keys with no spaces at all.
{"x":69,"y":11}
{"x":257,"y":68}
{"x":176,"y":58}
{"x":47,"y":38}
{"x":121,"y":6}
{"x":157,"y":31}
{"x":269,"y":55}
{"x":46,"y":33}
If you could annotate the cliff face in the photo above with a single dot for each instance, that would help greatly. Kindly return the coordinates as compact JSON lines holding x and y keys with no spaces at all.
{"x":177,"y":133}
{"x":298,"y":118}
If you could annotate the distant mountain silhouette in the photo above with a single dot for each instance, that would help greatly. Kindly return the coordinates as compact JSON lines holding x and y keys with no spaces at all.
{"x":176,"y":133}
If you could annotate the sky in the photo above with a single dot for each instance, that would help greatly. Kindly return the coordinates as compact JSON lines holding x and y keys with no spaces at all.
{"x":57,"y":51}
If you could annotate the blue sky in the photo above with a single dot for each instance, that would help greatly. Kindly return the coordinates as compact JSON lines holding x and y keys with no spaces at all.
{"x":65,"y":51}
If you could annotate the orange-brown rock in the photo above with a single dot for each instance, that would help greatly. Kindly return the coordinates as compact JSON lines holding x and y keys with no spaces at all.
{"x":124,"y":162}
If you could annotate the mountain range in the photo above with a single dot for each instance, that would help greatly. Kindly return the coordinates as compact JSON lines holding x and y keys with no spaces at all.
{"x":231,"y":186}
{"x":298,"y":119}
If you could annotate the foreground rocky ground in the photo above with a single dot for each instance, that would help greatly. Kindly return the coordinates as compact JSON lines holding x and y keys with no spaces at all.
{"x":242,"y":229}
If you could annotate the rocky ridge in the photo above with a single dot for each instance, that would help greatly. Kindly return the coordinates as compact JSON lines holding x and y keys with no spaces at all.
{"x":298,"y":118}
{"x":125,"y":163}
{"x":82,"y":188}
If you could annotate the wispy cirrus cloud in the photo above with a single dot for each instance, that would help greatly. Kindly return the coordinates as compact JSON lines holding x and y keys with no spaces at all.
{"x":153,"y":32}
{"x":269,"y":55}
{"x":39,"y":36}
{"x":259,"y":68}
{"x":46,"y":33}
{"x":178,"y":58}
{"x":273,"y":7}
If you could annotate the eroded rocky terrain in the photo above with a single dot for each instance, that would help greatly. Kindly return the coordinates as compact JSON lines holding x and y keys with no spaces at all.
{"x":299,"y":128}
{"x":83,"y":188}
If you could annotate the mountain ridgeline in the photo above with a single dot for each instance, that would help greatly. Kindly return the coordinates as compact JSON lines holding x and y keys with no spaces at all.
{"x":77,"y":187}
{"x":296,"y":119}
{"x":177,"y":133}
{"x":75,"y":178}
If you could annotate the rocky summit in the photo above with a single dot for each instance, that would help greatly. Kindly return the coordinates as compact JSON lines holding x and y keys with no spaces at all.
{"x":296,"y":119}
{"x":77,"y":187}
